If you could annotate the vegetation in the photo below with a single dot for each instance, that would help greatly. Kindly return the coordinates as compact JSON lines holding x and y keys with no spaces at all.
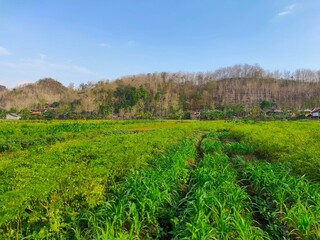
{"x":215,"y":207}
{"x":236,"y":91}
{"x":159,"y":180}
{"x":291,"y":143}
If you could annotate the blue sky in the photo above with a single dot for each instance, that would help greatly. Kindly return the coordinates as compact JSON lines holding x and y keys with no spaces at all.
{"x":79,"y":41}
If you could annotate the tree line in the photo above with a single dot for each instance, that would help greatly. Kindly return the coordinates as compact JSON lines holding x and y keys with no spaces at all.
{"x":231,"y":91}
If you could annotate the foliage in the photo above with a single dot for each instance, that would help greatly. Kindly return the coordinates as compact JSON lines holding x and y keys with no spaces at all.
{"x":236,"y":90}
{"x":212,"y":114}
{"x":292,"y":143}
{"x":215,"y":206}
{"x":2,"y":113}
{"x":159,"y":180}
{"x":265,"y":104}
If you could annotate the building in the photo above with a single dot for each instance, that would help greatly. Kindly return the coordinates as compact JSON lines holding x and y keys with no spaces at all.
{"x":307,"y":113}
{"x":13,"y":116}
{"x":315,"y":113}
{"x":35,"y":112}
{"x":195,"y":115}
{"x":276,"y":112}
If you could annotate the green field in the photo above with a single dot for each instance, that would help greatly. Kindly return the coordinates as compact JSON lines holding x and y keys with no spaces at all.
{"x":159,"y":180}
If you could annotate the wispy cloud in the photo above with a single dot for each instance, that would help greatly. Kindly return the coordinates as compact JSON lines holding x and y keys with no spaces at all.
{"x":287,"y":10}
{"x":41,"y":63}
{"x":21,"y":70}
{"x":105,"y":45}
{"x":131,"y":43}
{"x":4,"y":51}
{"x":42,"y":56}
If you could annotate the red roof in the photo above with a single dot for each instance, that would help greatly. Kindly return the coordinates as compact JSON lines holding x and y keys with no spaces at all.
{"x":36,"y":113}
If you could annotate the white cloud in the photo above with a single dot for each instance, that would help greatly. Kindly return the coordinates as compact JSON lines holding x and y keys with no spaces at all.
{"x":105,"y":45}
{"x":4,"y":51}
{"x":287,"y":10}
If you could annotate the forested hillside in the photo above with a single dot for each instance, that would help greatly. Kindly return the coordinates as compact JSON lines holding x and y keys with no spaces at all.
{"x":241,"y":88}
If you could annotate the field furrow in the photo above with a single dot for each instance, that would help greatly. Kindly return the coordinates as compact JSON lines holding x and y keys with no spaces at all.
{"x":143,"y":205}
{"x":215,"y":207}
{"x":159,"y":180}
{"x":285,"y":204}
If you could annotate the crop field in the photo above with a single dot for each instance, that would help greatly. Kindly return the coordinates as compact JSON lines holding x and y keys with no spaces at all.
{"x":159,"y":180}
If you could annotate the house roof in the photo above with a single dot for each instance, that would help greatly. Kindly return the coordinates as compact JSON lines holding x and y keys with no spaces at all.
{"x":274,"y":111}
{"x":36,"y":113}
{"x":278,"y":111}
{"x":195,"y":113}
{"x":316,"y":110}
{"x":14,"y":114}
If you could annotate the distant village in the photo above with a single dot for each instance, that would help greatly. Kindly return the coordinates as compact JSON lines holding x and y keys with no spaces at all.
{"x":48,"y":113}
{"x":313,"y":114}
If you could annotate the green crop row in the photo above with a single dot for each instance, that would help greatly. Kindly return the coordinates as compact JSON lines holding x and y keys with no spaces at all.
{"x":143,"y":205}
{"x":290,"y":204}
{"x":293,"y":143}
{"x":295,"y":201}
{"x":44,"y":189}
{"x":28,"y":129}
{"x":129,"y":180}
{"x":215,"y":207}
{"x":12,"y":145}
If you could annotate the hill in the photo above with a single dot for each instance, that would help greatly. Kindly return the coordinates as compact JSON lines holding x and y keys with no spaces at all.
{"x":238,"y":88}
{"x":31,"y":95}
{"x":2,"y":88}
